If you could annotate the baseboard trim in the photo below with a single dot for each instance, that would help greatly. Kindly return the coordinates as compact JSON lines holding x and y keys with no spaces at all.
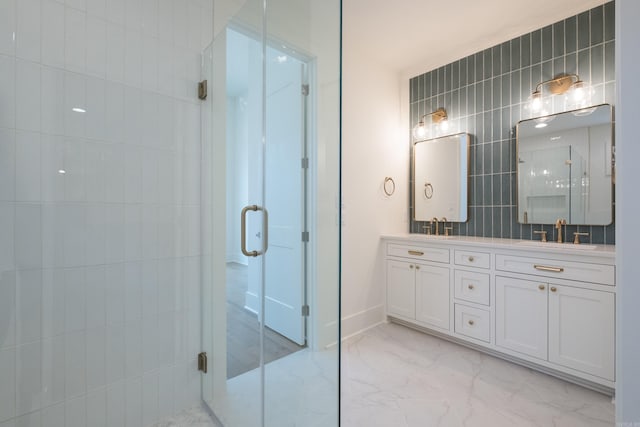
{"x":357,"y":323}
{"x":251,"y":302}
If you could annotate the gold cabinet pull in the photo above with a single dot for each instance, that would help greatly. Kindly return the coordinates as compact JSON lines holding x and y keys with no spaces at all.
{"x":471,"y":322}
{"x":417,"y":267}
{"x":471,"y":259}
{"x":541,"y":287}
{"x":471,"y":287}
{"x":547,"y":268}
{"x":411,"y":266}
{"x":553,"y":289}
{"x":417,"y":253}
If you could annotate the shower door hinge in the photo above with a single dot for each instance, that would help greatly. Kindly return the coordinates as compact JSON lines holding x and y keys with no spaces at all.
{"x":305,"y":90}
{"x":202,"y":362}
{"x":305,"y":310}
{"x":305,"y":236}
{"x":305,"y":163}
{"x":202,"y":90}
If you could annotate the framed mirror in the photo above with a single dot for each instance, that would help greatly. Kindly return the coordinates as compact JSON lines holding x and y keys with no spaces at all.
{"x":440,"y":167}
{"x":565,"y":167}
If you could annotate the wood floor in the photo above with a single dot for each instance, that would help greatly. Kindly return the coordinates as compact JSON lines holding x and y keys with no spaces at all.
{"x":243,"y":331}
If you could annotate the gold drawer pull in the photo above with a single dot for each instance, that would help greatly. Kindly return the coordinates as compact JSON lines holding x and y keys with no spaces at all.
{"x":471,"y":259}
{"x":546,"y":268}
{"x":471,"y":287}
{"x":553,"y":289}
{"x":410,"y":265}
{"x":471,"y":322}
{"x":417,"y":253}
{"x":541,"y":287}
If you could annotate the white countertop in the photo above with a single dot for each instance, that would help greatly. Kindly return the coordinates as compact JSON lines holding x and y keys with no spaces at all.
{"x":584,"y":249}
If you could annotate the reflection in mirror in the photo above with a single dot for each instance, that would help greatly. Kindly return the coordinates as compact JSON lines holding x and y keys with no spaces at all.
{"x":440,"y":168}
{"x":565,"y":168}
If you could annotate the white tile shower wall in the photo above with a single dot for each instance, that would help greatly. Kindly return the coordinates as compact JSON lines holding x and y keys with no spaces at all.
{"x":99,"y":210}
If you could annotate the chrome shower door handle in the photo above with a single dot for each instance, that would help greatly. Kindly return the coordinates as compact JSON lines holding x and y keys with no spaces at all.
{"x":243,"y":231}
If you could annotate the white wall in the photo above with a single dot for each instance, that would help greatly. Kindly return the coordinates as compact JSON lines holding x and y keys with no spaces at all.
{"x":99,"y":266}
{"x":627,"y":208}
{"x":374,"y":145}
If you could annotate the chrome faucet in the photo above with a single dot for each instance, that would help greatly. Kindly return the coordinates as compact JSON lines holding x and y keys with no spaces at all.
{"x":435,"y":219}
{"x":559,"y":223}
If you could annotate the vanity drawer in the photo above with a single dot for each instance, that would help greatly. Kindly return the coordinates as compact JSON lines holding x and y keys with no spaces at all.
{"x":473,"y":322}
{"x":569,"y":270}
{"x":419,"y":252}
{"x":472,"y":259}
{"x":472,"y":286}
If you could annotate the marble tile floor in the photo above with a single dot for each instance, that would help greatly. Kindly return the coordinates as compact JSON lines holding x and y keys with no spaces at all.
{"x":192,"y":417}
{"x":393,"y":376}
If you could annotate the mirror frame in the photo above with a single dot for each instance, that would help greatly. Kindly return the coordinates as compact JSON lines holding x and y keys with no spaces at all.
{"x":464,"y":181}
{"x":613,"y":171}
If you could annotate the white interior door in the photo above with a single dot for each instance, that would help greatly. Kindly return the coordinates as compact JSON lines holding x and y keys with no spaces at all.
{"x":284,"y":196}
{"x":283,"y":186}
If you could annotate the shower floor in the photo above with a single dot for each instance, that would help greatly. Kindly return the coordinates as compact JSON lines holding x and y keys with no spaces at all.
{"x":299,"y":390}
{"x":193,"y":417}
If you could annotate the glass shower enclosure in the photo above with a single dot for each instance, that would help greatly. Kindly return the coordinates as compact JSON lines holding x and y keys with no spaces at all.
{"x":121,"y":194}
{"x":270,"y":195}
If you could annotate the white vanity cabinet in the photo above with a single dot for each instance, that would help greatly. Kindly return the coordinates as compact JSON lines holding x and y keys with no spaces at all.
{"x":582,"y":330}
{"x":550,"y":307}
{"x":432,"y":295}
{"x":401,"y":289}
{"x":566,"y":325}
{"x":521,"y":316}
{"x":417,"y":289}
{"x":565,"y":314}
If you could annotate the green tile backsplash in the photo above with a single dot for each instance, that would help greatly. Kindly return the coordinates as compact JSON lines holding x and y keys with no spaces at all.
{"x":485,"y":93}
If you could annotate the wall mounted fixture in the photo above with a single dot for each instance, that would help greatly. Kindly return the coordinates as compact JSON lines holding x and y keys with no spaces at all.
{"x":578,"y":93}
{"x":438,"y":117}
{"x":389,"y":186}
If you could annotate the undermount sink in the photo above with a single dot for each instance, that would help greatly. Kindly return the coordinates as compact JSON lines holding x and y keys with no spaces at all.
{"x":555,"y":245}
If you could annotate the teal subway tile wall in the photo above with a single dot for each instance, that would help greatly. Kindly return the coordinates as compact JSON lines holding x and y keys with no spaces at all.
{"x":486,"y":94}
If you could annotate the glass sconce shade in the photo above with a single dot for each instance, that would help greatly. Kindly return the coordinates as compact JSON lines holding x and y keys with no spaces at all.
{"x":420,"y":131}
{"x":579,"y":96}
{"x":535,"y":101}
{"x":577,"y":93}
{"x":438,"y":118}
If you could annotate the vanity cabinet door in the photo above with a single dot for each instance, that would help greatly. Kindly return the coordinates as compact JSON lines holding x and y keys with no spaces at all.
{"x":521,"y":316}
{"x":401,"y":289}
{"x":582,"y":330}
{"x":432,"y":295}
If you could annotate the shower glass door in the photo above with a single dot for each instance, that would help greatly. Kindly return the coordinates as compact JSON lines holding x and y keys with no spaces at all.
{"x":270,"y":217}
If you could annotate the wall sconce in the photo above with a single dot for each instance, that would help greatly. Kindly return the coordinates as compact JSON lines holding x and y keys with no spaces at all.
{"x":578,"y":93}
{"x":438,"y":117}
